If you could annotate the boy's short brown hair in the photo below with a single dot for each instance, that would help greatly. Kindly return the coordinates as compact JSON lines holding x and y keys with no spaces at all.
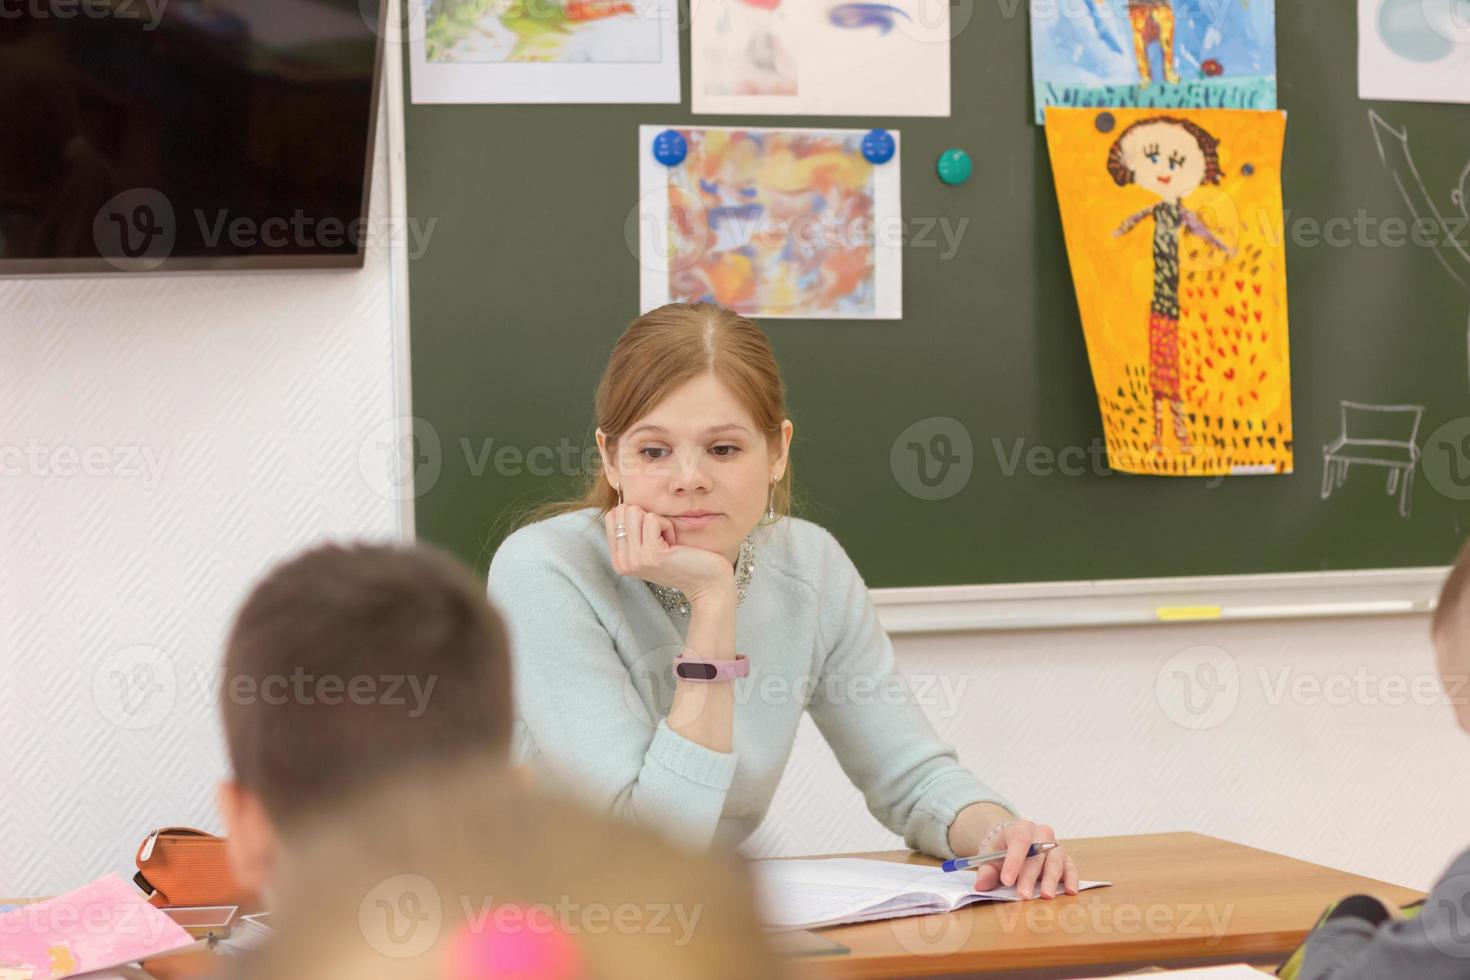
{"x":348,"y":663}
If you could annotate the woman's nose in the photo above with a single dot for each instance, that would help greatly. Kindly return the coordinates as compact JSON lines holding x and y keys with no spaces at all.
{"x":689,"y":472}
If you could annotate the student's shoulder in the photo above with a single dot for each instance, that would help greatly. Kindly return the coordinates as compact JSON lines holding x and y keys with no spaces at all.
{"x":575,"y":542}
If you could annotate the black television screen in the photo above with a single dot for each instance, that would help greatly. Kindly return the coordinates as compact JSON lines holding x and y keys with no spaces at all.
{"x":172,"y":135}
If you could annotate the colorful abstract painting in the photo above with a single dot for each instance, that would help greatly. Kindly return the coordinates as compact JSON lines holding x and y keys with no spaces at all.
{"x":1218,"y":54}
{"x":545,"y":51}
{"x":1414,"y":50}
{"x":820,"y":57}
{"x":540,"y":30}
{"x":772,"y":223}
{"x":1175,"y":236}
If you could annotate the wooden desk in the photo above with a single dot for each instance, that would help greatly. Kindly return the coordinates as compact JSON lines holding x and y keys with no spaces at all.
{"x":1176,"y":900}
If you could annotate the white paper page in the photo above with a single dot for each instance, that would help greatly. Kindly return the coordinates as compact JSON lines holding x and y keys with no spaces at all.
{"x":1412,"y":51}
{"x":809,"y":59}
{"x":806,"y":893}
{"x":1235,"y":971}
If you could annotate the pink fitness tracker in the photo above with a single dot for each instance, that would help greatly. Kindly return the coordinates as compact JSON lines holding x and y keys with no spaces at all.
{"x":689,"y":669}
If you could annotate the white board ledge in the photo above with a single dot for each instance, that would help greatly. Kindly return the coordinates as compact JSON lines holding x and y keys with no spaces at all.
{"x":1120,"y":602}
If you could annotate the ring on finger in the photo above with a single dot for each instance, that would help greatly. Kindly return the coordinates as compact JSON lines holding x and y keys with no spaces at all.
{"x":620,"y":531}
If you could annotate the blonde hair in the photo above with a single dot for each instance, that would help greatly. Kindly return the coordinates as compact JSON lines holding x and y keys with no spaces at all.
{"x":662,"y":350}
{"x":467,"y":843}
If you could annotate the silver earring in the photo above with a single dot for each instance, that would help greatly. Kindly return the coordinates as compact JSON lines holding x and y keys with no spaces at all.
{"x":620,"y":495}
{"x":771,"y":503}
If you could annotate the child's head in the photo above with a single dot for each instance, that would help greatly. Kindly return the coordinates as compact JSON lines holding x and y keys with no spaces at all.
{"x":1168,"y":156}
{"x":348,"y":664}
{"x":1451,"y":633}
{"x":452,"y":872}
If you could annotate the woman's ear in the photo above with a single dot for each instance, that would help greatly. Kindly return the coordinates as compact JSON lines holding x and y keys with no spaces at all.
{"x":609,"y":467}
{"x":783,"y":450}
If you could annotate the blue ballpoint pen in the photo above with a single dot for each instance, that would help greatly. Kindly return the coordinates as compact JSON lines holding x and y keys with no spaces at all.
{"x":961,"y":864}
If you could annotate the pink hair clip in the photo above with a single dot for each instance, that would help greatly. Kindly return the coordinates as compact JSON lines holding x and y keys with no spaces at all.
{"x":515,"y":942}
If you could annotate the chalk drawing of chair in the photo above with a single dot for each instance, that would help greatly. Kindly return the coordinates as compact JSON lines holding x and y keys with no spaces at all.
{"x":1375,"y":435}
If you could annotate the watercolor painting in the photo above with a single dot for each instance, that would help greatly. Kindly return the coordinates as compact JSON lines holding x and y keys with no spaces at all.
{"x":1175,"y":235}
{"x":491,"y":51}
{"x":772,"y":223}
{"x":820,"y":57}
{"x":1414,"y":50}
{"x":539,"y":30}
{"x":1198,"y":54}
{"x":751,"y":50}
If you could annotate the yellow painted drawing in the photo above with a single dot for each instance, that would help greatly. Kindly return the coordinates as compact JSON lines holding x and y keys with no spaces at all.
{"x":1175,"y":236}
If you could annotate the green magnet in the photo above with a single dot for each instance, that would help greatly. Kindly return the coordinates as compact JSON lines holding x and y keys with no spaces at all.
{"x":954,"y":166}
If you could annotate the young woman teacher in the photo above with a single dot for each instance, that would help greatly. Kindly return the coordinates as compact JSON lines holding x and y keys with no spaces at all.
{"x":669,"y":629}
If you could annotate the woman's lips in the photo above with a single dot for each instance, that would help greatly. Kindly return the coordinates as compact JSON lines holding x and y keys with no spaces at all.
{"x":692,"y":521}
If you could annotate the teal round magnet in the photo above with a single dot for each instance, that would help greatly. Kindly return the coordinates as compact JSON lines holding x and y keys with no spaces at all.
{"x":879,"y":146}
{"x":670,"y":148}
{"x":954,"y":166}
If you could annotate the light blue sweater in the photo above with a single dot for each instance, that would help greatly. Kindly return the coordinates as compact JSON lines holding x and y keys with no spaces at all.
{"x":593,"y":657}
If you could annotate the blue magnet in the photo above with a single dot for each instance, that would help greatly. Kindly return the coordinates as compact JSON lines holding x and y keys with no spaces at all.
{"x":954,"y":166}
{"x":879,"y":146}
{"x":670,"y":148}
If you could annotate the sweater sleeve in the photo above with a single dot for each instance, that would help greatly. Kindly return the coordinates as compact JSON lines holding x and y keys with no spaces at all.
{"x":575,"y":697}
{"x":911,"y":780}
{"x":1353,"y":945}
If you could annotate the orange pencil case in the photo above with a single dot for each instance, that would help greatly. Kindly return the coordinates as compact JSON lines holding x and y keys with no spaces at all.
{"x":181,"y":866}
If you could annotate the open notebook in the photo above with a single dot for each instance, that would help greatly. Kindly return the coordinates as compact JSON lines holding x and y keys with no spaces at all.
{"x":806,"y":894}
{"x":1235,"y":971}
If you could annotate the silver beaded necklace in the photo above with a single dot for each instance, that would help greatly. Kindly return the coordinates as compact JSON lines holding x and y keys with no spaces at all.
{"x":675,"y":601}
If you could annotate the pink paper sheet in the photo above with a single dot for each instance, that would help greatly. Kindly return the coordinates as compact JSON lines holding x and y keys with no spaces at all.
{"x":100,"y":925}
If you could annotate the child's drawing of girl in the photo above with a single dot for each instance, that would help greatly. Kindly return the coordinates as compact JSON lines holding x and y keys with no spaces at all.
{"x":1171,"y":158}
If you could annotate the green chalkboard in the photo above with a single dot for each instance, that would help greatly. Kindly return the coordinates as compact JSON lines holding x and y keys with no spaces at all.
{"x":528,"y":279}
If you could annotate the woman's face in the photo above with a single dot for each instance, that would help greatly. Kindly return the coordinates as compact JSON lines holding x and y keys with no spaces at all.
{"x":1164,"y":159}
{"x":699,"y":460}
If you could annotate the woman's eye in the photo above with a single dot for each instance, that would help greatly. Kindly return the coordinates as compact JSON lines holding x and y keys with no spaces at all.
{"x":725,"y":450}
{"x":646,"y":450}
{"x":1152,"y":157}
{"x":1175,"y":161}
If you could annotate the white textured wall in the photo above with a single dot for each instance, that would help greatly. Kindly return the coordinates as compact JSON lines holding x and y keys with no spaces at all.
{"x":1072,"y":724}
{"x":251,"y":395}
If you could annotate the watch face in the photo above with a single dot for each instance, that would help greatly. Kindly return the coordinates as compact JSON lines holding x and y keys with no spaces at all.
{"x":696,"y":671}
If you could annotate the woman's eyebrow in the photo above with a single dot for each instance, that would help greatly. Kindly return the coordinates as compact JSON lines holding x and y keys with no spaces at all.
{"x":731,"y":426}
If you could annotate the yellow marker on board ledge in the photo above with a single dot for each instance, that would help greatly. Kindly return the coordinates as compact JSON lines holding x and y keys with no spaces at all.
{"x":1178,"y":613}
